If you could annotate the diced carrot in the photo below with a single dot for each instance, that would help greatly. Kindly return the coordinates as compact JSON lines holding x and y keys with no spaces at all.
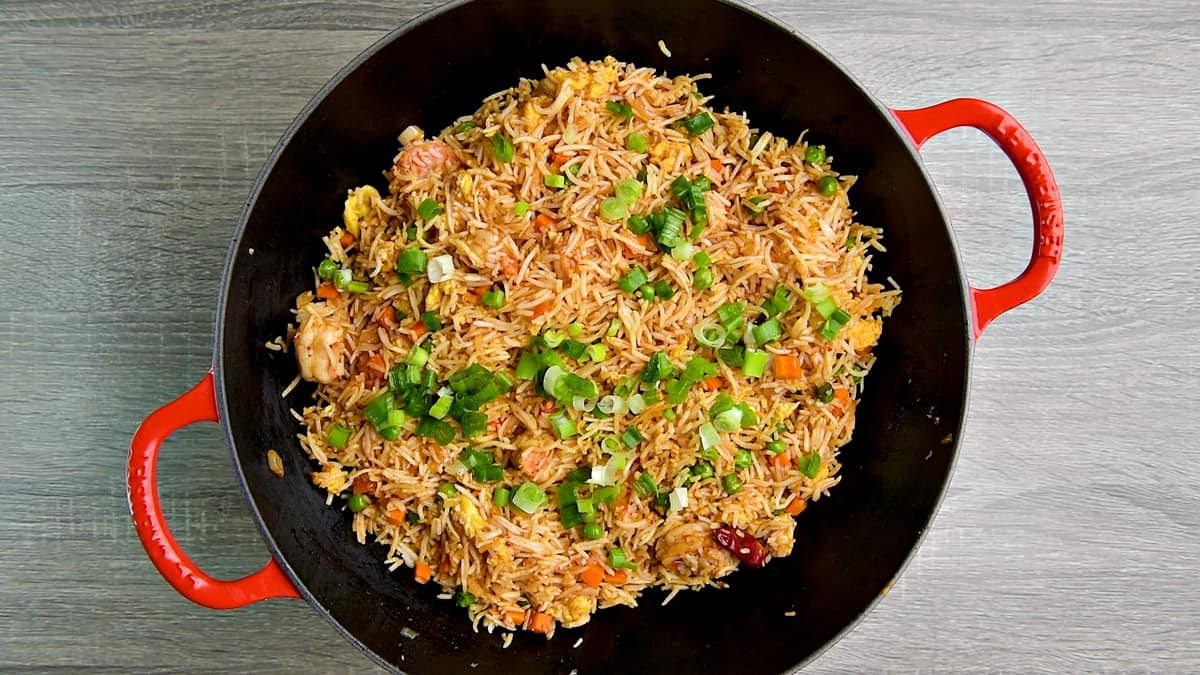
{"x":781,"y":461}
{"x":419,"y":329}
{"x":444,"y":566}
{"x":395,"y":517}
{"x":841,"y":395}
{"x":616,"y":578}
{"x":543,"y":308}
{"x":787,"y":366}
{"x":716,"y":165}
{"x":422,"y":572}
{"x":514,"y":617}
{"x":326,"y":292}
{"x":387,"y":316}
{"x":493,"y":425}
{"x":346,"y":240}
{"x":711,"y":383}
{"x":777,"y":189}
{"x":592,"y":576}
{"x":479,"y":290}
{"x":558,"y":159}
{"x":364,"y":485}
{"x":544,"y":222}
{"x":540,"y":622}
{"x":796,"y":506}
{"x":376,"y":362}
{"x":509,"y":267}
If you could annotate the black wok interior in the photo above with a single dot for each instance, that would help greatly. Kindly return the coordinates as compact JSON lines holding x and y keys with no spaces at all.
{"x":848,"y":548}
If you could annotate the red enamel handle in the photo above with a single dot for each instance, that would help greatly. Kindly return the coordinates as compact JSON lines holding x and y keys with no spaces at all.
{"x":925,"y":123}
{"x":197,"y":405}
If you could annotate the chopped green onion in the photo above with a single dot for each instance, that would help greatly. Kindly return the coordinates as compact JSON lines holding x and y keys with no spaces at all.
{"x":575,"y":329}
{"x":597,"y":353}
{"x":357,"y":502}
{"x":327,"y":269}
{"x":562,"y":425}
{"x":775,"y":447}
{"x":627,"y":191}
{"x":669,"y":415}
{"x":645,"y":485}
{"x":702,"y":280}
{"x":613,"y":209}
{"x":428,"y":209}
{"x":619,"y":109}
{"x":816,"y":293}
{"x":501,"y":497}
{"x":341,"y":278}
{"x":417,"y":356}
{"x":583,"y":404}
{"x":410,"y":261}
{"x":552,"y":337}
{"x":632,"y":280}
{"x":755,"y":363}
{"x":637,"y":224}
{"x":527,"y":366}
{"x":411,"y":517}
{"x":554,"y":181}
{"x":636,"y":403}
{"x":768,"y":331}
{"x":431,"y":321}
{"x":607,"y":494}
{"x":657,"y":368}
{"x":441,"y":407}
{"x":752,"y":205}
{"x":395,"y":418}
{"x":699,"y":368}
{"x":521,"y":208}
{"x":447,"y":491}
{"x":730,"y":315}
{"x":569,"y":134}
{"x":337,"y":436}
{"x":663,"y":289}
{"x":357,"y":287}
{"x":564,"y":493}
{"x":502,"y":148}
{"x":464,"y":599}
{"x":613,"y":327}
{"x":831,"y":326}
{"x":592,"y":531}
{"x":617,"y":560}
{"x":528,"y":497}
{"x":814,"y":154}
{"x":610,"y":444}
{"x":826,"y":307}
{"x":828,"y":186}
{"x":646,"y":291}
{"x":635,"y":142}
{"x":441,"y":432}
{"x":697,"y":124}
{"x":670,"y":234}
{"x":493,"y":298}
{"x":728,"y":420}
{"x":709,"y":334}
{"x":702,"y":470}
{"x":585,"y":505}
{"x":376,"y":411}
{"x":708,"y":436}
{"x":809,"y":465}
{"x":683,"y":251}
{"x":568,"y":514}
{"x":463,"y":126}
{"x":778,"y":303}
{"x":701,"y":259}
{"x":731,"y":483}
{"x":742,"y":459}
{"x":439,"y":269}
{"x":631,"y":437}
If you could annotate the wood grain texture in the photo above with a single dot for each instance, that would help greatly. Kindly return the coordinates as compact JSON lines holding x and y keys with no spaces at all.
{"x":1070,"y":537}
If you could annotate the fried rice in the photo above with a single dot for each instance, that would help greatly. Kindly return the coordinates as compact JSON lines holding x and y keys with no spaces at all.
{"x":542,"y":392}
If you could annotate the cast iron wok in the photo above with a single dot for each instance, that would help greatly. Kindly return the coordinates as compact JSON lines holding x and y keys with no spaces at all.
{"x":848,"y":548}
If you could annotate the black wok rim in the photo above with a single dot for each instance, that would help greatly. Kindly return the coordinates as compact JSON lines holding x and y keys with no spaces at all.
{"x":222,"y":400}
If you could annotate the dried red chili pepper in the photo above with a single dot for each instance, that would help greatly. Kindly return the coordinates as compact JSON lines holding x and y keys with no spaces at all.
{"x":746,"y":548}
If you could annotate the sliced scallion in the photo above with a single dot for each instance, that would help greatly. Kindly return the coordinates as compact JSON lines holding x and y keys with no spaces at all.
{"x":755,"y":363}
{"x":709,"y":334}
{"x":708,"y":436}
{"x":529,"y":497}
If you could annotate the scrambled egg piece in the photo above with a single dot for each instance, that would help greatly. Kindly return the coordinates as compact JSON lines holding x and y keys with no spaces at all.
{"x":669,"y":154}
{"x":577,"y":609}
{"x":358,"y":205}
{"x":332,"y":479}
{"x":530,"y":115}
{"x":472,"y":521}
{"x":864,"y":333}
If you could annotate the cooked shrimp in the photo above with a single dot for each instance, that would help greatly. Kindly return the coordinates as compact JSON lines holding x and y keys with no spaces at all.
{"x":423,"y":157}
{"x":689,"y":551}
{"x":320,"y":351}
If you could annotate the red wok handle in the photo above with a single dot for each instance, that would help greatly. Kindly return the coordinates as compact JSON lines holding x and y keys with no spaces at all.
{"x":924,"y":123}
{"x":197,"y":405}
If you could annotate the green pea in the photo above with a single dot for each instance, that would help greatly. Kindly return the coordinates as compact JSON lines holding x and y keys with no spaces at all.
{"x":828,"y":186}
{"x":742,"y":459}
{"x":592,"y":531}
{"x":357,"y":502}
{"x":814,"y":154}
{"x":327,"y":269}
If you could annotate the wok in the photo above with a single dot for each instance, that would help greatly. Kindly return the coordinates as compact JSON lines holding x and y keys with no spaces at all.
{"x":848,"y":550}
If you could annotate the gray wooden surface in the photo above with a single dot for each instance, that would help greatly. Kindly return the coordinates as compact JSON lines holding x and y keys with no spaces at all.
{"x":1070,"y":538}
